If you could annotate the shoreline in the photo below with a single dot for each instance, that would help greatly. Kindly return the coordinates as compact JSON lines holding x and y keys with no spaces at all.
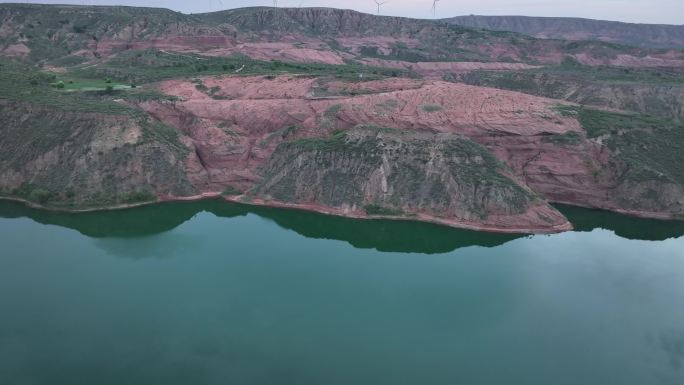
{"x":323,"y":210}
{"x":629,"y":213}
{"x":567,"y":226}
{"x":192,"y":198}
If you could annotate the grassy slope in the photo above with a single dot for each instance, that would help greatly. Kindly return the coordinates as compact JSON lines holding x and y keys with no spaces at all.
{"x":656,"y":91}
{"x":21,"y":82}
{"x":652,"y":148}
{"x":151,"y":65}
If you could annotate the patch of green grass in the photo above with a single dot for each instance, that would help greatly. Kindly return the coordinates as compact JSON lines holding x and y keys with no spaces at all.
{"x":431,"y":107}
{"x":566,"y":110}
{"x":80,"y":84}
{"x":570,"y":138}
{"x":22,"y":82}
{"x":336,"y":141}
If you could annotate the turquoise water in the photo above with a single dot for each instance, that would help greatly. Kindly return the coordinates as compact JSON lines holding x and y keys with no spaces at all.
{"x":216,"y":293}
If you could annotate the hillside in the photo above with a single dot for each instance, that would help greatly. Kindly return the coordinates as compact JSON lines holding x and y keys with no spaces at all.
{"x":334,"y":111}
{"x":69,"y":34}
{"x":643,"y":35}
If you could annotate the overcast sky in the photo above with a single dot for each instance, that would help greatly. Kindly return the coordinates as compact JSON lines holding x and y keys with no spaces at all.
{"x":644,"y":11}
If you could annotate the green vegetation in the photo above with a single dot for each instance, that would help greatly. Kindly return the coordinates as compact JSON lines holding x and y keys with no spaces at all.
{"x":280,"y":135}
{"x":570,"y":138}
{"x":155,"y":131}
{"x":151,"y":65}
{"x":334,"y":142}
{"x":33,"y":194}
{"x":328,"y":119}
{"x":651,"y":147}
{"x":137,"y":197}
{"x":566,"y":110}
{"x":333,"y":110}
{"x":337,"y":169}
{"x":654,"y":91}
{"x":598,"y":122}
{"x":400,"y":52}
{"x":378,"y":210}
{"x":82,"y":84}
{"x":54,"y":32}
{"x":231,"y":191}
{"x":554,"y":79}
{"x":431,"y":107}
{"x":21,"y":82}
{"x":81,"y":172}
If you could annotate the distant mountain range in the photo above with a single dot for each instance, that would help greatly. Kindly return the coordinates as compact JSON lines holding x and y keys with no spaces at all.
{"x":646,"y":35}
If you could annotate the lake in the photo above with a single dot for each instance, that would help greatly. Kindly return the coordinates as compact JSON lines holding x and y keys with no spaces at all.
{"x":218,"y":293}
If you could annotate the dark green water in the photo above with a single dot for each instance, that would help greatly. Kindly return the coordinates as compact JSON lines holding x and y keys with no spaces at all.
{"x":215,"y":293}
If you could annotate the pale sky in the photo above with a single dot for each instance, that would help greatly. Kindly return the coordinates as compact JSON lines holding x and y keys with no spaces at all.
{"x":638,"y":11}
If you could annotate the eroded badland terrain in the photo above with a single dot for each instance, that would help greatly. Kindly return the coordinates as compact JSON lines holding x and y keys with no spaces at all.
{"x":335,"y":111}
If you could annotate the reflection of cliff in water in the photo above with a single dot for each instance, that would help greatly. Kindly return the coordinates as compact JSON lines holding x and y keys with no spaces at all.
{"x":136,"y":222}
{"x":623,"y":225}
{"x":383,"y":235}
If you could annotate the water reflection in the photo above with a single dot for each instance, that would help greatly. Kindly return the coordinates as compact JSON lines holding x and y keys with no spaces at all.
{"x":622,"y":225}
{"x":382,"y":235}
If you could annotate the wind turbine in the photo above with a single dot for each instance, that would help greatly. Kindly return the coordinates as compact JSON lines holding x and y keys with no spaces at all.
{"x":275,"y":3}
{"x":434,"y":8}
{"x":380,"y":4}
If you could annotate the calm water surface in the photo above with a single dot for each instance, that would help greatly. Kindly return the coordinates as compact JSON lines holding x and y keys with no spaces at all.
{"x":216,"y":293}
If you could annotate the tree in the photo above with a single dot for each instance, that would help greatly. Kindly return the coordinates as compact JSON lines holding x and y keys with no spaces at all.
{"x":60,"y":84}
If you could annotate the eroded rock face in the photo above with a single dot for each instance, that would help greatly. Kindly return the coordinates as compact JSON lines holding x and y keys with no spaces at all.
{"x":403,"y":174}
{"x":230,"y":139}
{"x":233,"y":140}
{"x":85,"y":160}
